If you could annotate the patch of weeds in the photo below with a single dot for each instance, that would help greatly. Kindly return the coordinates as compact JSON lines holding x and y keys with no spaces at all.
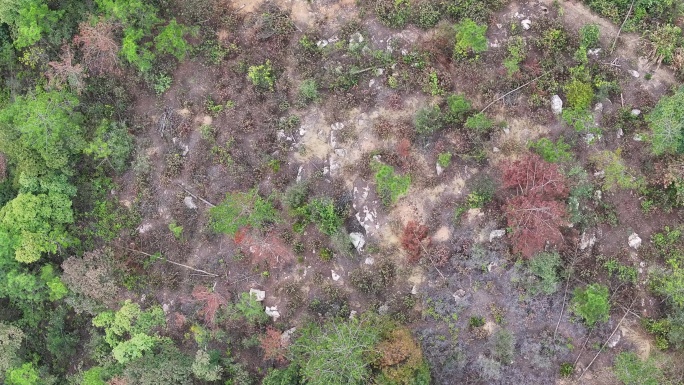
{"x":388,"y":184}
{"x":427,"y":15}
{"x":208,"y":132}
{"x":660,"y":329}
{"x":589,"y":35}
{"x":581,"y":120}
{"x":502,"y":345}
{"x":476,"y":321}
{"x":591,"y":304}
{"x":554,"y":152}
{"x":617,"y":174}
{"x":176,"y":230}
{"x":516,"y":55}
{"x":433,"y":86}
{"x":631,"y":370}
{"x":457,"y":109}
{"x":222,"y":153}
{"x":161,"y":83}
{"x":174,"y":164}
{"x":289,"y":123}
{"x":325,"y":254}
{"x":308,"y":91}
{"x":579,"y":94}
{"x":566,"y":369}
{"x":545,"y":267}
{"x":242,"y":209}
{"x":444,"y":159}
{"x":215,"y":109}
{"x":627,"y":274}
{"x":488,"y":368}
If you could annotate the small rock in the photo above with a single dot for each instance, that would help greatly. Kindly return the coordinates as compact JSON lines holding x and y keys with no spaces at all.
{"x":458,"y":294}
{"x":358,"y":240}
{"x":526,"y":24}
{"x":638,"y":138}
{"x":506,"y":130}
{"x":556,"y":104}
{"x":352,"y":314}
{"x":189,"y":203}
{"x":321,"y":43}
{"x":142,"y":229}
{"x":383,"y":310}
{"x":335,"y":276}
{"x":598,"y":194}
{"x":598,"y":107}
{"x":439,"y":169}
{"x":634,"y":241}
{"x":620,"y":133}
{"x":496,"y":149}
{"x":259,"y":295}
{"x":272,"y":311}
{"x":356,"y":38}
{"x":337,"y":126}
{"x":594,"y":51}
{"x":491,"y":266}
{"x":600,"y":174}
{"x":636,"y":112}
{"x":287,"y":336}
{"x":496,"y":234}
{"x":613,"y":341}
{"x":589,"y":137}
{"x":166,"y":308}
{"x":634,"y":73}
{"x":369,"y":261}
{"x":587,"y":241}
{"x":371,"y":83}
{"x":414,"y":290}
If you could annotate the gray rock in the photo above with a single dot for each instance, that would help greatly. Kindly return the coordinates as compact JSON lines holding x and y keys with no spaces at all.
{"x":272,"y":311}
{"x":439,"y":169}
{"x":358,"y":240}
{"x":634,"y":73}
{"x":556,"y":104}
{"x":526,"y":24}
{"x":636,"y":112}
{"x":587,"y":241}
{"x":369,"y":261}
{"x":496,"y":234}
{"x":189,"y":203}
{"x":259,"y":295}
{"x":287,"y":336}
{"x":335,"y":276}
{"x":634,"y":241}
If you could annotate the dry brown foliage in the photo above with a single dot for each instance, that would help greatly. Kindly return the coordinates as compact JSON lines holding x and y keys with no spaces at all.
{"x":399,"y":348}
{"x":117,"y":381}
{"x":65,"y":72}
{"x":99,"y":47}
{"x":272,"y":344}
{"x":212,"y":301}
{"x":268,"y":248}
{"x":92,"y":276}
{"x":414,"y":240}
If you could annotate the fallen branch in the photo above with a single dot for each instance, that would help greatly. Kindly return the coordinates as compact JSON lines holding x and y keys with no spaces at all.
{"x":196,"y":197}
{"x":621,"y":26}
{"x":611,"y":336}
{"x":174,"y":263}
{"x":510,"y":92}
{"x":565,"y":293}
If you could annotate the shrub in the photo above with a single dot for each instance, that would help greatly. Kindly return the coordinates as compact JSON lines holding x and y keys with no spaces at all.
{"x":428,"y":15}
{"x":401,"y":360}
{"x":502,"y":346}
{"x":479,"y":123}
{"x":457,"y":108}
{"x":389,"y":185}
{"x":26,"y":374}
{"x":631,"y":370}
{"x":240,"y":210}
{"x":262,"y":76}
{"x":667,"y":123}
{"x":324,"y":214}
{"x":545,"y":266}
{"x":664,"y":41}
{"x":112,"y":143}
{"x":471,"y":39}
{"x":170,"y":40}
{"x":206,"y":369}
{"x":489,"y":369}
{"x":516,"y":55}
{"x":591,"y":304}
{"x":250,"y":309}
{"x":286,"y":376}
{"x":428,"y":120}
{"x":589,"y":35}
{"x":553,"y":152}
{"x":99,"y":47}
{"x":308,"y":90}
{"x":617,"y":174}
{"x":11,"y":338}
{"x":444,"y":159}
{"x":393,"y":13}
{"x":336,"y":353}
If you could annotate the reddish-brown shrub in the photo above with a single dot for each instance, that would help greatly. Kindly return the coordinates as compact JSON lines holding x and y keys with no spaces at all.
{"x":267,"y":248}
{"x":538,"y":210}
{"x":404,"y":148}
{"x":212,"y":301}
{"x":99,"y":47}
{"x":415,"y":240}
{"x":273,"y":345}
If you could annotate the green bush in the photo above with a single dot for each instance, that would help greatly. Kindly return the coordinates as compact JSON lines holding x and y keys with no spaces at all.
{"x":479,"y":123}
{"x":389,"y":185}
{"x":393,"y":13}
{"x":240,"y":210}
{"x":249,"y":309}
{"x":579,"y":94}
{"x":171,"y":41}
{"x":545,"y":266}
{"x":471,"y":39}
{"x":286,"y":376}
{"x":516,"y":55}
{"x":444,"y":159}
{"x":591,"y":304}
{"x":336,"y":353}
{"x":589,"y":35}
{"x":667,"y":123}
{"x":308,"y":91}
{"x":324,"y":214}
{"x":262,"y":76}
{"x":428,"y":120}
{"x":554,"y":152}
{"x":112,"y":143}
{"x":502,"y":346}
{"x":428,"y":15}
{"x":665,"y":40}
{"x":631,"y":370}
{"x":457,"y":108}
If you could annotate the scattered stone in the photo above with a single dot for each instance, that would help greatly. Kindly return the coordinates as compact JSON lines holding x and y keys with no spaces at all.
{"x":439,"y":169}
{"x":634,"y":241}
{"x":600,"y":174}
{"x":352,"y":314}
{"x":321,"y":43}
{"x":496,"y":149}
{"x":258,"y":295}
{"x":496,"y":234}
{"x":506,"y":130}
{"x":636,"y":112}
{"x":189,"y":203}
{"x":272,"y":311}
{"x":369,"y":261}
{"x":166,"y":308}
{"x":383,"y":309}
{"x":594,"y":51}
{"x":556,"y":104}
{"x":358,"y":240}
{"x":414,"y":290}
{"x":598,"y":107}
{"x":335,"y":276}
{"x":589,"y":137}
{"x":337,"y":126}
{"x":491,"y":266}
{"x":356,"y":38}
{"x":613,"y":341}
{"x":598,"y":194}
{"x":620,"y":133}
{"x":526,"y":24}
{"x":459,"y":294}
{"x":638,"y":138}
{"x":587,"y":241}
{"x":634,"y":73}
{"x":371,"y":83}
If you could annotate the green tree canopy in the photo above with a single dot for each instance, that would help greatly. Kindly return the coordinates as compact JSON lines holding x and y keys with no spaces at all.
{"x":667,"y":124}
